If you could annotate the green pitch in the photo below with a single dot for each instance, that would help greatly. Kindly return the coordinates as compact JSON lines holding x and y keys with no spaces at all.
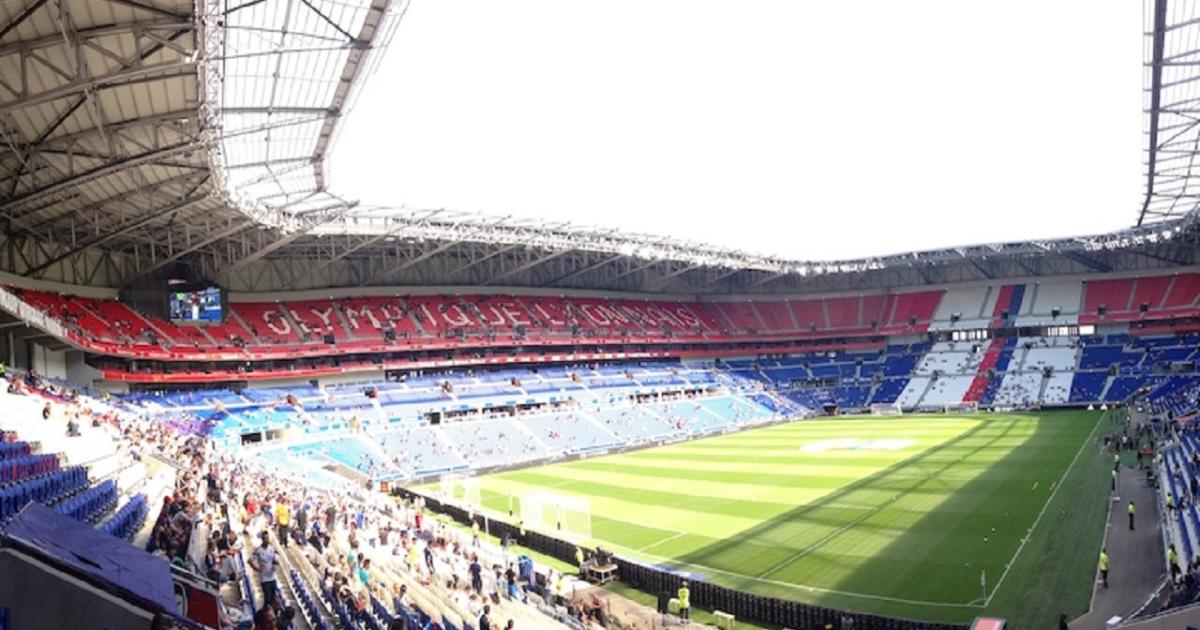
{"x":930,"y":517}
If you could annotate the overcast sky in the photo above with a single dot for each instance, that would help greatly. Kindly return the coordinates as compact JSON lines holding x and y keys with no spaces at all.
{"x":812,"y":130}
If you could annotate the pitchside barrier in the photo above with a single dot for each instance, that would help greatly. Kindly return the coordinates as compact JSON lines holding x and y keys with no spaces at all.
{"x":743,"y":605}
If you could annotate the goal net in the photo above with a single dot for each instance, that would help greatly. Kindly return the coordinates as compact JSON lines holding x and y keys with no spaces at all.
{"x":886,"y":409}
{"x":961,"y":407}
{"x":459,"y":490}
{"x":557,"y":514}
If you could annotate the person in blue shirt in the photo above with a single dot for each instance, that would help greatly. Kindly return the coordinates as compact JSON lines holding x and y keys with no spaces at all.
{"x":364,"y":572}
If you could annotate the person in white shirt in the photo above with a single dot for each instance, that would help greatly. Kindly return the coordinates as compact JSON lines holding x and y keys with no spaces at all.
{"x":263,"y":561}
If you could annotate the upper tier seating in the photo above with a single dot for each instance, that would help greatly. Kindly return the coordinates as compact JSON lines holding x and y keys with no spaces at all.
{"x":260,"y":330}
{"x":968,"y":304}
{"x":1063,"y":296}
{"x":1133,"y":299}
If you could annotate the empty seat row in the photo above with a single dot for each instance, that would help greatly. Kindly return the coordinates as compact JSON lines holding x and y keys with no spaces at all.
{"x":10,"y":450}
{"x":86,"y":506}
{"x":45,"y":489}
{"x":26,"y":466}
{"x":308,"y":606}
{"x":128,"y":519}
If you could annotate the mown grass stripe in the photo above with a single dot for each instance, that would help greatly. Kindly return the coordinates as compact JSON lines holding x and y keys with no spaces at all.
{"x":845,"y":528}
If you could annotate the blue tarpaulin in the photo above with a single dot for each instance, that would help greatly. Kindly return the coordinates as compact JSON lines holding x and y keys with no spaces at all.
{"x":100,"y":557}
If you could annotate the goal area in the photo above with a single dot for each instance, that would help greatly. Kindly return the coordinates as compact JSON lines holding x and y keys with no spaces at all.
{"x":459,"y":490}
{"x":961,"y":407}
{"x":557,"y":514}
{"x":886,"y":409}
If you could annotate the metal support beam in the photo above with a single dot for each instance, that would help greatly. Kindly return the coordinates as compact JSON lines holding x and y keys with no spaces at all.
{"x":769,"y":277}
{"x":678,"y":272}
{"x":117,"y":198}
{"x":383,"y":273}
{"x":154,"y":72}
{"x":120,"y":230}
{"x":285,"y":239}
{"x":101,"y":171}
{"x":83,"y":35}
{"x":580,"y":272}
{"x":350,"y":250}
{"x":151,"y":8}
{"x":20,"y":19}
{"x":1156,"y":71}
{"x":328,"y":20}
{"x":482,"y":259}
{"x":980,"y":268}
{"x":280,"y":109}
{"x":720,"y":277}
{"x":529,"y":265}
{"x":1088,"y":261}
{"x":194,"y":247}
{"x":1162,"y":258}
{"x":630,"y":272}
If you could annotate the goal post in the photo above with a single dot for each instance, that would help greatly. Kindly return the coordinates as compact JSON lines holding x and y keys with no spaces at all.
{"x":961,"y":407}
{"x":886,"y":409}
{"x":459,"y":490}
{"x":557,"y":514}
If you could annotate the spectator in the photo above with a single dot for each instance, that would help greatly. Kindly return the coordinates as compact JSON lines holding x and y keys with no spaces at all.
{"x":263,"y":561}
{"x":485,"y":623}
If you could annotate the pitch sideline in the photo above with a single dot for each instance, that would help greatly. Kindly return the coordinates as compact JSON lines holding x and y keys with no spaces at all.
{"x":1057,"y":486}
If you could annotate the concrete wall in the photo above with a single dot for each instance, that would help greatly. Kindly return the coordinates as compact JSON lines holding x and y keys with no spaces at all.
{"x":47,"y":362}
{"x":79,"y":372}
{"x":13,"y":351}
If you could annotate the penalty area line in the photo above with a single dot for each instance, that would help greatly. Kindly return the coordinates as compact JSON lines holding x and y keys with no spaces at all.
{"x":663,"y":541}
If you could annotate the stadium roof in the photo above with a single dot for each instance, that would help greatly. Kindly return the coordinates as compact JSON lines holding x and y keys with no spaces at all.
{"x":147,"y":134}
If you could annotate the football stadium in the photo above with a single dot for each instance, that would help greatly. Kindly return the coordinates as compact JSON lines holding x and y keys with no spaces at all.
{"x":235,"y":395}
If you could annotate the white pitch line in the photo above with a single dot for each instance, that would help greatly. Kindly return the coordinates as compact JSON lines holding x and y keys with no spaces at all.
{"x":675,"y":563}
{"x":663,"y":541}
{"x":1037,"y":520}
{"x":824,"y":539}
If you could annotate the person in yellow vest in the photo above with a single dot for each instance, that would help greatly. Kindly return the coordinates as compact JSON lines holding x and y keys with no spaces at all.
{"x":1131,"y":511}
{"x":474,"y":533}
{"x":283,"y":519}
{"x":1173,"y":561}
{"x":1170,"y":502}
{"x":560,"y":590}
{"x":1104,"y":566}
{"x":412,"y":558}
{"x":579,"y":559}
{"x":685,"y":601}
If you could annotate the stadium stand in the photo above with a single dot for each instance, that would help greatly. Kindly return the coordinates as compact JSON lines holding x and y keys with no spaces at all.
{"x":375,"y":348}
{"x":1133,"y":299}
{"x":300,"y":328}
